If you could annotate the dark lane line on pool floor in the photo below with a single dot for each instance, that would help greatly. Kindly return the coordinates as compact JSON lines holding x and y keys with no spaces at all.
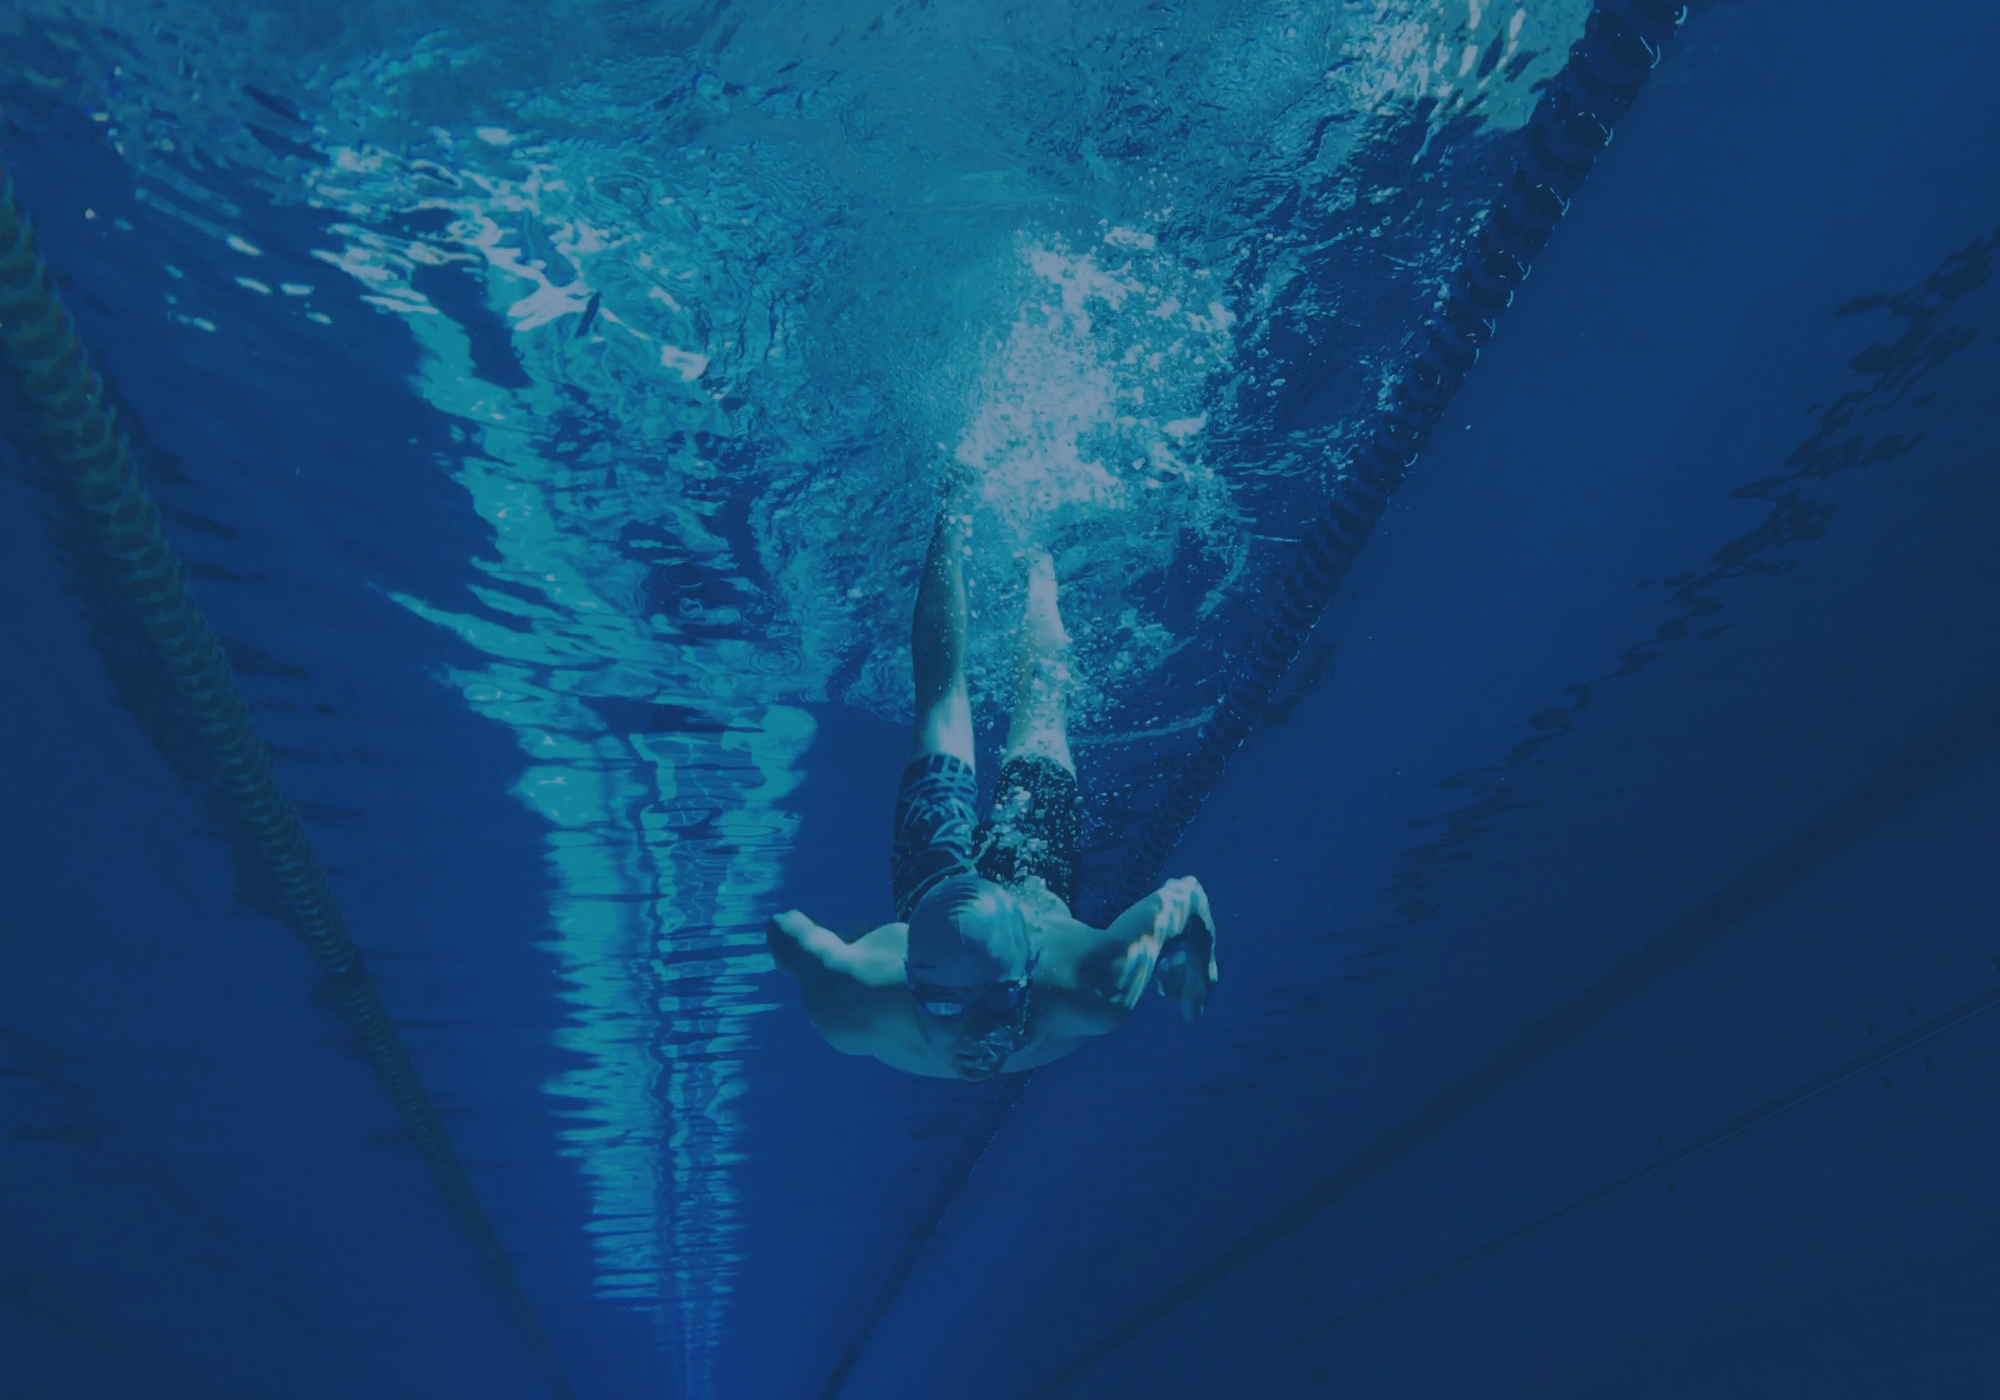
{"x":1928,"y":759}
{"x":1734,"y":1128}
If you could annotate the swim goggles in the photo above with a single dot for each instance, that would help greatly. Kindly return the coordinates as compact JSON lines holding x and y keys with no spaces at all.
{"x":957,"y":1001}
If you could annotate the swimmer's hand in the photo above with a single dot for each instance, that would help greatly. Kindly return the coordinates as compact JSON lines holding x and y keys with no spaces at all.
{"x":1187,"y":969}
{"x":1167,"y":940}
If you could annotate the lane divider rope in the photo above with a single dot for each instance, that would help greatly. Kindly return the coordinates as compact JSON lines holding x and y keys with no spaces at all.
{"x":1622,"y":41}
{"x":62,"y":394}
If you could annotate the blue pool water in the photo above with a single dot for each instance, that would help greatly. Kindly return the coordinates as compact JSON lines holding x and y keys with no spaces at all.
{"x":550,"y":403}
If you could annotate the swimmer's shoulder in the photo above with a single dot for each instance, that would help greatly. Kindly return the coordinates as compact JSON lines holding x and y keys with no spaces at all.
{"x":849,"y":988}
{"x":815,"y":955}
{"x":874,"y":1015}
{"x":876,"y":957}
{"x":1075,"y":979}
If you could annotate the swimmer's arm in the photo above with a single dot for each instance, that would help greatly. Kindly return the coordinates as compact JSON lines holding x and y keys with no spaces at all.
{"x":850,"y":991}
{"x":1172,"y":923}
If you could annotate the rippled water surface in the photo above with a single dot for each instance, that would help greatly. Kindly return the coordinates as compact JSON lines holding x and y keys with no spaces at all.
{"x":715,"y":299}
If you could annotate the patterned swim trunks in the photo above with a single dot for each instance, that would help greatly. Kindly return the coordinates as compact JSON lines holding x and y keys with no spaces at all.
{"x":1032,"y":830}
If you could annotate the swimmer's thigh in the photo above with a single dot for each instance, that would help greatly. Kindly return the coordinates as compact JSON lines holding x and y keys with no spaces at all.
{"x":1033,"y":829}
{"x":932,"y":838}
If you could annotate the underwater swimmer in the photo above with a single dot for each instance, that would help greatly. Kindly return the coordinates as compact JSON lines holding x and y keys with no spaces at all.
{"x":984,"y":970}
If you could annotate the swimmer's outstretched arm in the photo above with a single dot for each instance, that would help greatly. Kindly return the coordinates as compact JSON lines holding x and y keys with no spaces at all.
{"x":1170,"y":929}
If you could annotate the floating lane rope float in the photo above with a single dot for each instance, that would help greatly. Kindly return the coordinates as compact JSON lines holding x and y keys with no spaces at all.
{"x":1622,"y":41}
{"x":50,"y":373}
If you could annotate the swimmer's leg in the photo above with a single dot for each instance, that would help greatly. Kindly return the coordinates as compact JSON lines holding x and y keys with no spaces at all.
{"x":937,"y":643}
{"x":1038,"y":728}
{"x":1031,"y":838}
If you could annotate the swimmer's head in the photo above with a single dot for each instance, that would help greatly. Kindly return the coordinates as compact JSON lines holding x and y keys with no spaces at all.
{"x":968,"y":966}
{"x":967,"y":932}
